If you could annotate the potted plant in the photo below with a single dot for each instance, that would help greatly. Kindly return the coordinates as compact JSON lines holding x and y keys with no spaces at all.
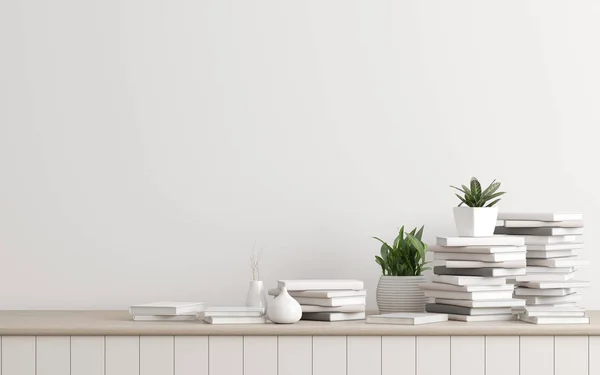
{"x":477,"y":218}
{"x":402,"y":265}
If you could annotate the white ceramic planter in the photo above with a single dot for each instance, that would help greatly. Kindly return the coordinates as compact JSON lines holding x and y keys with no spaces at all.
{"x":475,"y":221}
{"x":401,"y":294}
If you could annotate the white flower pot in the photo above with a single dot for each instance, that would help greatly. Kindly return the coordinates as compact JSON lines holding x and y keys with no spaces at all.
{"x":475,"y":221}
{"x":401,"y":294}
{"x":284,"y":309}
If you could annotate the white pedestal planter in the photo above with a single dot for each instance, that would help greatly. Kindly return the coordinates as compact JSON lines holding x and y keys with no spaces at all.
{"x":475,"y":221}
{"x":401,"y":294}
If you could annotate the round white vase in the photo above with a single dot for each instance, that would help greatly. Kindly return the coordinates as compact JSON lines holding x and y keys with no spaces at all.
{"x":256,"y":295}
{"x":284,"y":309}
{"x":401,"y":294}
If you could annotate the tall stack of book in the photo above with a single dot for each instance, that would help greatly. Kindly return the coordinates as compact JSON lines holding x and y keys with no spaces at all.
{"x":470,"y":273}
{"x":553,"y":242}
{"x":167,"y":311}
{"x":327,"y":300}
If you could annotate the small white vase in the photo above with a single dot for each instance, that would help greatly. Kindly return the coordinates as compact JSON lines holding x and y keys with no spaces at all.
{"x":401,"y":294}
{"x":475,"y":221}
{"x":284,"y":309}
{"x":256,"y":295}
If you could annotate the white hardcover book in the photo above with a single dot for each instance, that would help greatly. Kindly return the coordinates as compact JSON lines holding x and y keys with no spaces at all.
{"x":466,"y":288}
{"x":480,"y":264}
{"x":167,"y":308}
{"x":461,"y":310}
{"x":333,"y":316}
{"x":532,"y":309}
{"x":296,"y":285}
{"x":473,"y":296}
{"x":543,"y":292}
{"x":540,"y":254}
{"x":407,"y":318}
{"x":233,"y":311}
{"x":234,"y":320}
{"x":512,"y":302}
{"x":557,"y":246}
{"x":481,"y":241}
{"x":541,"y":216}
{"x":534,"y":269}
{"x":342,"y":309}
{"x":539,"y":231}
{"x":165,"y":318}
{"x":338,"y":301}
{"x":548,"y":240}
{"x":555,"y":284}
{"x":554,"y":320}
{"x":558,"y":262}
{"x":542,"y":224}
{"x":322,"y":293}
{"x":498,"y":257}
{"x":547,"y":300}
{"x":476,"y":249}
{"x":468,"y":280}
{"x":574,"y":314}
{"x":499,"y":223}
{"x":546,"y":277}
{"x":482,"y":318}
{"x":479,"y":272}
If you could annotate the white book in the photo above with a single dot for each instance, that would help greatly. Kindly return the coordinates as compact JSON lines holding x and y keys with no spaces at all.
{"x":473,"y":296}
{"x":461,"y":310}
{"x":498,"y":257}
{"x":548,"y":240}
{"x":550,"y":313}
{"x":234,"y":320}
{"x":499,"y":223}
{"x":480,"y":264}
{"x":542,"y":224}
{"x":333,"y":316}
{"x":481,"y":272}
{"x":558,"y":262}
{"x":547,"y":300}
{"x":481,"y":318}
{"x":543,"y":292}
{"x":407,"y":318}
{"x":481,"y":241}
{"x":512,"y":302}
{"x":467,"y":280}
{"x":296,"y":285}
{"x":337,"y":301}
{"x":322,"y":293}
{"x":344,"y":309}
{"x":557,"y":246}
{"x":540,"y":254}
{"x":233,"y":311}
{"x":466,"y":288}
{"x":555,"y":284}
{"x":165,"y":318}
{"x":541,"y":216}
{"x":534,"y":269}
{"x":167,"y":308}
{"x":476,"y":249}
{"x":554,"y":320}
{"x":539,"y":231}
{"x":531,"y":309}
{"x":546,"y":277}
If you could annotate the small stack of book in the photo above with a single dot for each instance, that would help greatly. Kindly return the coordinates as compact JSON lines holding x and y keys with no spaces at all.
{"x":167,"y":311}
{"x":549,"y":288}
{"x":469,"y":281}
{"x":234,"y":315}
{"x":327,"y":300}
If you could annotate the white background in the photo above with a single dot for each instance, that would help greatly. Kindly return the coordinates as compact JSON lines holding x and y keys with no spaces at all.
{"x":146,"y":145}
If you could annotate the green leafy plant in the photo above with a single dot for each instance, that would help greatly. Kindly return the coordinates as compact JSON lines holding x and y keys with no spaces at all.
{"x":475,"y":197}
{"x":406,"y":257}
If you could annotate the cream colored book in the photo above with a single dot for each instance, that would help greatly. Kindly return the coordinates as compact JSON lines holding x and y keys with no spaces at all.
{"x":407,"y":318}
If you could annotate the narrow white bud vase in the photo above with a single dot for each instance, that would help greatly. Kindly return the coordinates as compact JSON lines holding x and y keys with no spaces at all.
{"x":256,"y":295}
{"x":284,"y":309}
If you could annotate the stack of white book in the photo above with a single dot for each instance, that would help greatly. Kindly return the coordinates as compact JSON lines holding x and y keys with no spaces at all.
{"x":234,"y":315}
{"x":327,"y":300}
{"x":553,"y":242}
{"x":470,"y":273}
{"x":167,"y":311}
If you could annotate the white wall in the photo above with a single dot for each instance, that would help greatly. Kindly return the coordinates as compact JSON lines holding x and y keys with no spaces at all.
{"x":146,"y":145}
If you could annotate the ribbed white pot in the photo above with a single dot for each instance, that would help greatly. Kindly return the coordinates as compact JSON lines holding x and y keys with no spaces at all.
{"x":401,"y":294}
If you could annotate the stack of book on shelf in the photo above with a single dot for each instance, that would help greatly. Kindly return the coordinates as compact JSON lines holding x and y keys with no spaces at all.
{"x":469,"y":281}
{"x":549,"y":287}
{"x":234,"y":315}
{"x":167,"y":311}
{"x":327,"y":300}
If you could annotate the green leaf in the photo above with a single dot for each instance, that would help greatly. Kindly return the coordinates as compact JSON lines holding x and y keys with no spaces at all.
{"x":491,"y":189}
{"x":384,"y":251}
{"x":493,"y":203}
{"x":459,"y":189}
{"x":475,"y":188}
{"x":461,"y":199}
{"x":419,"y":234}
{"x":494,"y":196}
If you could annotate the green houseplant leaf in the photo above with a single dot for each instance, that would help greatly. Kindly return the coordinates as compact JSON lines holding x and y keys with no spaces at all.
{"x":407,"y":255}
{"x":475,"y":197}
